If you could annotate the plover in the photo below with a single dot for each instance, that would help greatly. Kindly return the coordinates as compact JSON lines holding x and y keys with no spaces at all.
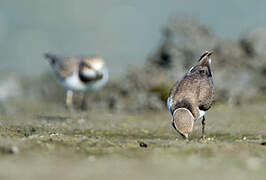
{"x":79,"y":74}
{"x":192,"y":96}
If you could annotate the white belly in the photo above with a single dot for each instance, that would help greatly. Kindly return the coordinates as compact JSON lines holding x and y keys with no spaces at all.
{"x":100,"y":83}
{"x":202,"y":113}
{"x":169,"y":104}
{"x":74,"y":83}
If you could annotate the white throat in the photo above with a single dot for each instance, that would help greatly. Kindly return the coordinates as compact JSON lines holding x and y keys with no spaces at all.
{"x":202,"y":113}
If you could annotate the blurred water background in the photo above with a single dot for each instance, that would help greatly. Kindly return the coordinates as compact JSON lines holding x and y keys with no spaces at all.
{"x":122,"y":31}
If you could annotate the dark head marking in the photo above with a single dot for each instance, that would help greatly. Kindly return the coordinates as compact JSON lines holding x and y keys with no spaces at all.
{"x":205,"y":55}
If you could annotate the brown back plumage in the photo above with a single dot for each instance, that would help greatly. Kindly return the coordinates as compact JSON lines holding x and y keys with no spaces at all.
{"x":190,"y":95}
{"x":66,"y":66}
{"x":195,"y":91}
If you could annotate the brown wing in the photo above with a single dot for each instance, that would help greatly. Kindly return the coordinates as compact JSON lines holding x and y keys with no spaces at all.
{"x":68,"y":66}
{"x":206,"y":88}
{"x":184,"y":94}
{"x":64,"y":66}
{"x":193,"y":92}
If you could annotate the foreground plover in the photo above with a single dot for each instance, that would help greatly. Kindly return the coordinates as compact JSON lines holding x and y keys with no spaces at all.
{"x":79,"y":74}
{"x":190,"y":98}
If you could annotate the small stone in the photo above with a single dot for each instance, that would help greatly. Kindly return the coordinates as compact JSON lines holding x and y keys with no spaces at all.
{"x":18,"y":131}
{"x":143,"y":144}
{"x":33,"y":130}
{"x":263,"y":143}
{"x":244,"y":138}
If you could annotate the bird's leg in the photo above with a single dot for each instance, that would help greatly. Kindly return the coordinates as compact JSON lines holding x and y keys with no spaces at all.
{"x":84,"y":103}
{"x":203,"y":127}
{"x":186,"y":137}
{"x":69,"y":99}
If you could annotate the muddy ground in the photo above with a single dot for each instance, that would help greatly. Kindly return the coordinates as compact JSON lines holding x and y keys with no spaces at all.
{"x":46,"y":141}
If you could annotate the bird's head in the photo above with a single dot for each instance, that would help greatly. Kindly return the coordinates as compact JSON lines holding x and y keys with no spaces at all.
{"x":92,"y":68}
{"x":183,"y":121}
{"x":205,"y":58}
{"x":203,"y":65}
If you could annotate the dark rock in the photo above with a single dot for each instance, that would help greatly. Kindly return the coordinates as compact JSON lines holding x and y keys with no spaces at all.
{"x":33,"y":130}
{"x":263,"y":143}
{"x":143,"y":144}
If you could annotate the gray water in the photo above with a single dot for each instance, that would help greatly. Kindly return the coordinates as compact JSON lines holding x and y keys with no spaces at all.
{"x":122,"y":31}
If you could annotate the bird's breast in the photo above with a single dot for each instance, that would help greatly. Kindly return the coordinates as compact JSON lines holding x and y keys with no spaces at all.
{"x":73,"y":82}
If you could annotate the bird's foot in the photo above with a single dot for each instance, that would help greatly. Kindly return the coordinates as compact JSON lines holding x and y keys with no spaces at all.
{"x":84,"y":106}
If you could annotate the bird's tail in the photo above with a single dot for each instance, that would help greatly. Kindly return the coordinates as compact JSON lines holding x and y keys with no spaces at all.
{"x":50,"y":56}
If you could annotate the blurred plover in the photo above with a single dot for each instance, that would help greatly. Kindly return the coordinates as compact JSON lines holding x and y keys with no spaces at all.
{"x":191,"y":97}
{"x":79,"y":74}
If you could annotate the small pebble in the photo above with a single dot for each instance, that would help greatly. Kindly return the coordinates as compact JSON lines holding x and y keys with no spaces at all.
{"x":263,"y":143}
{"x":244,"y":138}
{"x":33,"y":130}
{"x":143,"y":144}
{"x":18,"y":131}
